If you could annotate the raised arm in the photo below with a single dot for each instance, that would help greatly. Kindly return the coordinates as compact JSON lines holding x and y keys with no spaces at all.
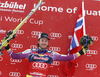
{"x":61,"y":57}
{"x":21,"y":55}
{"x":85,"y":41}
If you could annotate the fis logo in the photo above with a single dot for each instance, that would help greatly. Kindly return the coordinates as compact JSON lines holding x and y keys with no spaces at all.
{"x":15,"y":74}
{"x":52,"y":76}
{"x":15,"y":60}
{"x":55,"y":35}
{"x":12,"y":5}
{"x":20,"y":32}
{"x":92,"y":52}
{"x":1,"y":58}
{"x":56,"y":63}
{"x":90,"y":66}
{"x":17,"y":46}
{"x":39,"y":65}
{"x":58,"y":49}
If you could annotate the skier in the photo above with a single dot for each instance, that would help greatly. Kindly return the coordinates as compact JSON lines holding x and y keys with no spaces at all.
{"x":41,"y":58}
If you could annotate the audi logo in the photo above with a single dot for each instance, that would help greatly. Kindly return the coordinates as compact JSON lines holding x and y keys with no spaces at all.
{"x":16,"y":60}
{"x":56,"y":35}
{"x":20,"y":32}
{"x":39,"y":65}
{"x":15,"y":74}
{"x":91,"y":66}
{"x":70,"y":37}
{"x":55,"y":49}
{"x":0,"y":73}
{"x":1,"y":58}
{"x":95,"y":38}
{"x":17,"y":45}
{"x":36,"y":33}
{"x":92,"y":52}
{"x":56,"y":63}
{"x":52,"y":76}
{"x":33,"y":46}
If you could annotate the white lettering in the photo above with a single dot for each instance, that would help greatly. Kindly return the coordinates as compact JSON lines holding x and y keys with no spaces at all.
{"x":93,"y":12}
{"x":13,"y":5}
{"x":50,"y":8}
{"x":12,"y":19}
{"x":69,"y":10}
{"x":32,"y":21}
{"x":60,"y":9}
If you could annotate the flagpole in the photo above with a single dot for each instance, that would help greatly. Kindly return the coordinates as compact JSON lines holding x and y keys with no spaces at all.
{"x":83,"y":11}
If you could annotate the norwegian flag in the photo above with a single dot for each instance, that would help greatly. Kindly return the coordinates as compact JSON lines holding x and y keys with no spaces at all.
{"x":79,"y":31}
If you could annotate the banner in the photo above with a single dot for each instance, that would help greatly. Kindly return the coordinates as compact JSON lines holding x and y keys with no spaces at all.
{"x":58,"y":19}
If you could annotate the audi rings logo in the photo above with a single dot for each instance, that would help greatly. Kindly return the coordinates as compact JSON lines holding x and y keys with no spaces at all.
{"x":15,"y":74}
{"x":55,"y":49}
{"x":39,"y":65}
{"x":70,"y":37}
{"x":92,"y":52}
{"x":33,"y":46}
{"x":16,"y":60}
{"x":20,"y":32}
{"x":91,"y":66}
{"x":17,"y":45}
{"x":36,"y":33}
{"x":95,"y":38}
{"x":52,"y":76}
{"x":0,"y":73}
{"x":1,"y":58}
{"x":58,"y":35}
{"x":56,"y":63}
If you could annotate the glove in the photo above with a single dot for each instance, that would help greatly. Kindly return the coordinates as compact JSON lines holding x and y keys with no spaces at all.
{"x":9,"y":33}
{"x":86,"y":41}
{"x":7,"y":47}
{"x":82,"y":51}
